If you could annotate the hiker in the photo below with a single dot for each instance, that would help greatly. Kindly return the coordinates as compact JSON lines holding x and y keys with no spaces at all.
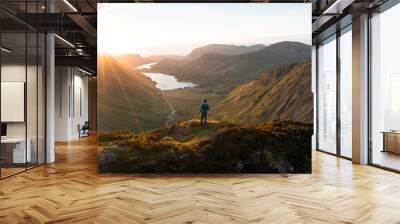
{"x":203,"y":112}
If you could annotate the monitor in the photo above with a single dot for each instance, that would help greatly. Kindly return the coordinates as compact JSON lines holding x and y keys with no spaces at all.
{"x":3,"y":129}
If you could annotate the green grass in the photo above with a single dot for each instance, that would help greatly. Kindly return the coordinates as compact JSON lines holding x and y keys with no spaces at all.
{"x":187,"y":101}
{"x":192,"y":130}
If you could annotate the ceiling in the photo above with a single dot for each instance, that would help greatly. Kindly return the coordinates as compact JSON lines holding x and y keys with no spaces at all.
{"x":75,"y":21}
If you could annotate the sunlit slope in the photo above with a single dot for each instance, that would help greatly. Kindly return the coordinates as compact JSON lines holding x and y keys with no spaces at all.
{"x":186,"y":147}
{"x":127,"y":100}
{"x":282,"y":93}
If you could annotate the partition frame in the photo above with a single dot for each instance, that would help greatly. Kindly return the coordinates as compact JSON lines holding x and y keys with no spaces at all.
{"x":44,"y":95}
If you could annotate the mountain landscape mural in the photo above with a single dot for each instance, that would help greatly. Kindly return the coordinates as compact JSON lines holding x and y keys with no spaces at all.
{"x":256,"y":98}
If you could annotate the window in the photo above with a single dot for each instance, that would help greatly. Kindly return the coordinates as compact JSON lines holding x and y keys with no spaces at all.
{"x":327,"y":96}
{"x":346,"y":93}
{"x":385,"y":89}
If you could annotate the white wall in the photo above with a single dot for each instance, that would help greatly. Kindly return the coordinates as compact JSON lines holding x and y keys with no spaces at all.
{"x":80,"y":112}
{"x":71,"y":102}
{"x":62,"y":82}
{"x":33,"y":127}
{"x":12,"y":73}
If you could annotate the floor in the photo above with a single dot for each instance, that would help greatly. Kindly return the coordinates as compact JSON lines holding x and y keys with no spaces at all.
{"x":10,"y":171}
{"x":5,"y":172}
{"x":387,"y":159}
{"x":70,"y":191}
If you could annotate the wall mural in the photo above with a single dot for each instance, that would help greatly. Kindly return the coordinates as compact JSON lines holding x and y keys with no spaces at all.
{"x":204,"y":88}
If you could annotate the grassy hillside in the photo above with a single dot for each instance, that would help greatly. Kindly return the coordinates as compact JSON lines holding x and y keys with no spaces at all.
{"x":186,"y":102}
{"x":279,"y":146}
{"x":222,"y":73}
{"x":127,"y":100}
{"x":282,"y":93}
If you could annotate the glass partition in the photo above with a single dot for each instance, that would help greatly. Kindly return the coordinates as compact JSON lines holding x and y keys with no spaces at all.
{"x":327,"y":96}
{"x":22,"y":78}
{"x":14,"y":145}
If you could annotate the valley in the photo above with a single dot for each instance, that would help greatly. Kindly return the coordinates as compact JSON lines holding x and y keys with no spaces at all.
{"x":260,"y":103}
{"x":244,"y":85}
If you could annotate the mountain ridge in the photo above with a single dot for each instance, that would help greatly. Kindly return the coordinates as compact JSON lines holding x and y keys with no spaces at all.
{"x":224,"y":49}
{"x":221,"y":73}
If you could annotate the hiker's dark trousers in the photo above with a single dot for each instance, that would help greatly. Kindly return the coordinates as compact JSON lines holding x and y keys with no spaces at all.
{"x":203,"y":119}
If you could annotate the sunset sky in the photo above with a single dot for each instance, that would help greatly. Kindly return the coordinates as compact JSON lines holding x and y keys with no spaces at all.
{"x":154,"y":29}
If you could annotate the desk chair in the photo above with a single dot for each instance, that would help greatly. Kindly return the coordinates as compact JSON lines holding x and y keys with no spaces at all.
{"x":84,"y":130}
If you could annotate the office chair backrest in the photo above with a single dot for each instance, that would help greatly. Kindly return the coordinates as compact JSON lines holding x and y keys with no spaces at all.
{"x":86,"y":125}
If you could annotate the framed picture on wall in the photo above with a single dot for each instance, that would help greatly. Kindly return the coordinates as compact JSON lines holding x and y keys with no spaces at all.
{"x":204,"y":88}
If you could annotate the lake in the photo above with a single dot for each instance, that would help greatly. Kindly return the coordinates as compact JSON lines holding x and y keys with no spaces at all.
{"x":164,"y":81}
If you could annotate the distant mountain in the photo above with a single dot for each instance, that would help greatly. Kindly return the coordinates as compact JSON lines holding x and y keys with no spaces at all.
{"x":225,"y":49}
{"x":222,"y":73}
{"x":127,"y":100}
{"x":281,"y":93}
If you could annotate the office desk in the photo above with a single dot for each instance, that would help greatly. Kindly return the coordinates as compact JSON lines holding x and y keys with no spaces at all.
{"x":13,"y":150}
{"x":391,"y":141}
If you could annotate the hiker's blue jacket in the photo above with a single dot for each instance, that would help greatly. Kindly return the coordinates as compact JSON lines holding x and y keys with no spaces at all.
{"x":204,"y":108}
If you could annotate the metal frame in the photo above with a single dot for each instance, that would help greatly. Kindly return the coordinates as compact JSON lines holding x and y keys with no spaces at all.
{"x":316,"y":97}
{"x":26,"y":90}
{"x":339,"y":32}
{"x":369,"y":80}
{"x":0,"y":92}
{"x":338,"y":95}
